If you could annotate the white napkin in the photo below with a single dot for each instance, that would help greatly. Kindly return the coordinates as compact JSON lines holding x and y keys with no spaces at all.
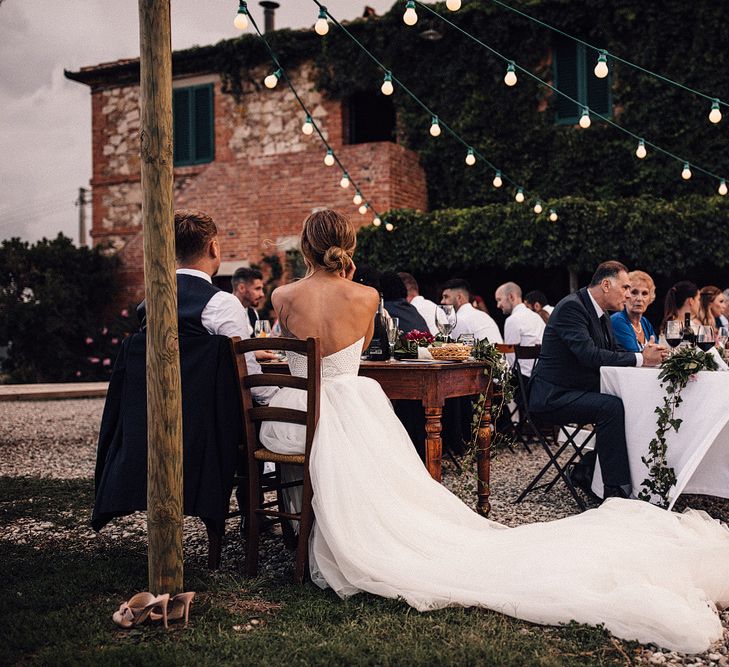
{"x":717,"y":358}
{"x":423,"y":353}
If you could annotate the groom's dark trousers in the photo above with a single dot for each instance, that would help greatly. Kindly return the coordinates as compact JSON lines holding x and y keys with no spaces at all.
{"x":565,"y":385}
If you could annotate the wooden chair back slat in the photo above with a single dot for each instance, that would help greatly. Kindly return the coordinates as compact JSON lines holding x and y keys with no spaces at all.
{"x":275,"y":380}
{"x":289,"y":415}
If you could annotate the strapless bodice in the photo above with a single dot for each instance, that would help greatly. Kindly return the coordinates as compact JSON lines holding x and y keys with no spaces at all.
{"x":342,"y":362}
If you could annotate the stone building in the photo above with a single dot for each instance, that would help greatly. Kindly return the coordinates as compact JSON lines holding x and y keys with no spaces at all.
{"x":245,"y":161}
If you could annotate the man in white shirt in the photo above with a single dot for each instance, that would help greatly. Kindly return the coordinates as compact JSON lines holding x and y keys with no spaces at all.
{"x":424,"y":306}
{"x":457,"y":293}
{"x":522,"y":326}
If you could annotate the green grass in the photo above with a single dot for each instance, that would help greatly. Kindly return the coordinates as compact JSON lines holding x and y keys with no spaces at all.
{"x":57,"y":597}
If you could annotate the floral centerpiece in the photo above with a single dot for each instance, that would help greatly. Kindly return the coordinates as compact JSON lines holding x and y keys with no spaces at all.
{"x":408,"y":343}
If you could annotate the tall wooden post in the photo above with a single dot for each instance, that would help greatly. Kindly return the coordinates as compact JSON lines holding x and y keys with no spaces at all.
{"x":164,"y":406}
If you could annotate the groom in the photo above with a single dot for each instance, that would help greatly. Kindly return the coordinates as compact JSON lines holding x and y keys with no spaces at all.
{"x":565,"y":385}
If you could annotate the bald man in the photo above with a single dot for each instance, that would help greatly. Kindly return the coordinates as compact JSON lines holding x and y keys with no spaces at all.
{"x":522,"y":326}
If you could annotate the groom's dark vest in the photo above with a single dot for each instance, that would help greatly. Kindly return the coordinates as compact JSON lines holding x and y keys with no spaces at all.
{"x":193,"y":294}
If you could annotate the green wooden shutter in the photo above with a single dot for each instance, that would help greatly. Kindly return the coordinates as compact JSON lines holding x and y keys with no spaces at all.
{"x":203,"y":126}
{"x":566,"y":79}
{"x":182,"y":138}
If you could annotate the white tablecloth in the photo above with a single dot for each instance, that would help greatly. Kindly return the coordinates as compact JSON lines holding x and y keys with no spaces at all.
{"x":699,"y":452}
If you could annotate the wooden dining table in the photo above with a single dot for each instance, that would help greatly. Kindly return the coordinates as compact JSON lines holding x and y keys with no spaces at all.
{"x":432,"y":383}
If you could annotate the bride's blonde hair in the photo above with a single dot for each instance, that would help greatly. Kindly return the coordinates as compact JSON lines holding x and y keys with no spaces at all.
{"x":328,"y":241}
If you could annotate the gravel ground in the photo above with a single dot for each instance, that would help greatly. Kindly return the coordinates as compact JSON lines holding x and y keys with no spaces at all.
{"x":57,"y":439}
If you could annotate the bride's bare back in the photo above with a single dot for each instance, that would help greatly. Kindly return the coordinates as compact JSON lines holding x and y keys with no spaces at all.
{"x":329,"y":306}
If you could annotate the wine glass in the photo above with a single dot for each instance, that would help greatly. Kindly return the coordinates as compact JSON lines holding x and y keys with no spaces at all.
{"x":674,"y":332}
{"x":445,"y":318}
{"x":705,"y":338}
{"x":722,"y":335}
{"x":392,"y":328}
{"x":262,"y":329}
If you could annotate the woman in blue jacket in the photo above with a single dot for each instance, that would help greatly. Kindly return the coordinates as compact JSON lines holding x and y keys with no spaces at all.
{"x":632,"y":331}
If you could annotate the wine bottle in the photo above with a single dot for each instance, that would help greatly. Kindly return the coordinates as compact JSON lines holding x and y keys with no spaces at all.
{"x":688,"y":333}
{"x":379,"y":349}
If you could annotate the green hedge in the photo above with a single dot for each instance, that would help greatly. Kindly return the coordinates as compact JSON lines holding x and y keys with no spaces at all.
{"x":652,"y":234}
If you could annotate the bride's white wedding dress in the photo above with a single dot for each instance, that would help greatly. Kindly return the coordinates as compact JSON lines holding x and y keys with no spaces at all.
{"x":383,"y":525}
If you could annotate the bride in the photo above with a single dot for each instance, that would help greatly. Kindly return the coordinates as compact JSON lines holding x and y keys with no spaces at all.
{"x":383,"y":525}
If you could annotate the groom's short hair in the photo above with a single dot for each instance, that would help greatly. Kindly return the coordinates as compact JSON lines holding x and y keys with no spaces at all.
{"x":193,"y":231}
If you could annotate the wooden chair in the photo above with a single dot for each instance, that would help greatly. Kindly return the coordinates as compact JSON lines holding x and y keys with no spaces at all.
{"x":261,"y":511}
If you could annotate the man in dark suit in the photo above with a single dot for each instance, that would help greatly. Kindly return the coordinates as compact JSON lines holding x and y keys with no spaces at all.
{"x":565,"y":385}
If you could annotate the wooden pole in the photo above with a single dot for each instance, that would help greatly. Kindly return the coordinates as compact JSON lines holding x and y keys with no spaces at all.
{"x":164,"y":406}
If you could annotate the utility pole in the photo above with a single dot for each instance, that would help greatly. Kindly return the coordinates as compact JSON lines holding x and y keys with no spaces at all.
{"x":164,"y":404}
{"x":81,"y":203}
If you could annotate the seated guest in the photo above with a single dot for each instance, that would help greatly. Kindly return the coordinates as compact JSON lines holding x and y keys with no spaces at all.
{"x":425,"y":307}
{"x":247,"y":284}
{"x":724,"y":317}
{"x":682,"y":298}
{"x":633,"y":331}
{"x":537,"y":301}
{"x":367,"y":275}
{"x":457,"y":293}
{"x":479,"y":304}
{"x":565,"y":385}
{"x":712,"y":307}
{"x":522,"y":326}
{"x":397,"y":305}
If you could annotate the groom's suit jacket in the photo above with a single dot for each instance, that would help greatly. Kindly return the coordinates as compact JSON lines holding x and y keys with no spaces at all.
{"x":574,"y":347}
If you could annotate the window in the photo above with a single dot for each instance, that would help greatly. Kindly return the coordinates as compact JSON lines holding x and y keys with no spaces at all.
{"x":369,"y":117}
{"x":573,"y":75}
{"x":194,"y":136}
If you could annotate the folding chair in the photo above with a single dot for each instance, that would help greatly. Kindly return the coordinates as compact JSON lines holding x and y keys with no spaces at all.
{"x":262,"y":511}
{"x":551,"y":445}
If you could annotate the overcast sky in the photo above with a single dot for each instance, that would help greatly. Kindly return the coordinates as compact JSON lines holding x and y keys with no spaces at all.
{"x":45,"y":119}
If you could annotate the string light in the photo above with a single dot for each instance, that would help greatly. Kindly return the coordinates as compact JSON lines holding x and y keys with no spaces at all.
{"x":453,"y":5}
{"x":585,"y":121}
{"x":386,"y":87}
{"x":345,"y":180}
{"x":498,"y":181}
{"x":241,"y":18}
{"x":601,"y":69}
{"x":538,"y":207}
{"x":470,"y":158}
{"x":519,"y":196}
{"x":376,"y":221}
{"x":715,"y":113}
{"x":329,"y":158}
{"x":272,"y":79}
{"x":363,"y":209}
{"x":641,"y":152}
{"x":553,"y":215}
{"x":357,"y":199}
{"x":686,"y":173}
{"x":410,"y":17}
{"x":722,"y":187}
{"x":510,"y":76}
{"x":389,"y":226}
{"x":308,"y":127}
{"x":434,"y":127}
{"x":321,"y":27}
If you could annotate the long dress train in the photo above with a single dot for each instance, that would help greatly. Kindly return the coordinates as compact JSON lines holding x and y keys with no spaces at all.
{"x":383,"y":525}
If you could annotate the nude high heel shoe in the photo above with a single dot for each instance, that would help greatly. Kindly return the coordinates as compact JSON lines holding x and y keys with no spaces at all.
{"x":140,"y":607}
{"x":179,"y":607}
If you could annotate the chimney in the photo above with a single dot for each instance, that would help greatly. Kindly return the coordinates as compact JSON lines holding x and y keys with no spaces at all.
{"x":269,"y":8}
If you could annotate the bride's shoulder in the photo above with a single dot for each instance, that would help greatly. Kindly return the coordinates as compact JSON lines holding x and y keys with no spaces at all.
{"x":364,"y":292}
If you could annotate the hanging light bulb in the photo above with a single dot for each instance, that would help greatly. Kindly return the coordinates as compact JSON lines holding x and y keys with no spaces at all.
{"x":329,"y":158}
{"x":434,"y":127}
{"x":538,"y":207}
{"x":510,"y":76}
{"x":357,"y":199}
{"x":497,"y":182}
{"x":585,"y":121}
{"x":272,"y":79}
{"x":389,"y":226}
{"x":715,"y":113}
{"x":553,"y":215}
{"x":377,"y":222}
{"x":641,"y":152}
{"x":470,"y":158}
{"x":308,"y":127}
{"x":722,"y":187}
{"x":363,"y":209}
{"x":519,"y":196}
{"x":386,"y":87}
{"x":686,"y":173}
{"x":321,"y":27}
{"x":410,"y":16}
{"x":601,"y":69}
{"x":345,"y":180}
{"x":453,"y":5}
{"x":241,"y":18}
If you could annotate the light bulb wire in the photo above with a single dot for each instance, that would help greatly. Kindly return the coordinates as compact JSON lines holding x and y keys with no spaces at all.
{"x":309,"y":117}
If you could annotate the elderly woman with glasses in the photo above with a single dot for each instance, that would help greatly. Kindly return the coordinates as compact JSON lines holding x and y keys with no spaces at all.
{"x":631,"y":329}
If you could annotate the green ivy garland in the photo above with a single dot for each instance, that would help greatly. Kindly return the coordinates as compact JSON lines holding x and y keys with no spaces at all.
{"x":675,"y":374}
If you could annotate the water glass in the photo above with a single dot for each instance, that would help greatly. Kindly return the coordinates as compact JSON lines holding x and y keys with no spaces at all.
{"x":445,"y":318}
{"x":392,"y":325}
{"x":722,"y":335}
{"x":262,"y":329}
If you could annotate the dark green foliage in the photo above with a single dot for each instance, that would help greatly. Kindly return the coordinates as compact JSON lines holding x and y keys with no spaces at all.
{"x":634,"y":230}
{"x":52,"y":295}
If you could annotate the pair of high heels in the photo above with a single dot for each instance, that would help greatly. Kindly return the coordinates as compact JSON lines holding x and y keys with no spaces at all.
{"x":143,"y":606}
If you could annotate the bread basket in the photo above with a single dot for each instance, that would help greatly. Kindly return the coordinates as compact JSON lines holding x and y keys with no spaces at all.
{"x":450,"y":352}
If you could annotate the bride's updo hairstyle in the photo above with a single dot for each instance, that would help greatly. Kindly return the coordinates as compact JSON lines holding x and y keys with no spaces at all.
{"x":328,"y":240}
